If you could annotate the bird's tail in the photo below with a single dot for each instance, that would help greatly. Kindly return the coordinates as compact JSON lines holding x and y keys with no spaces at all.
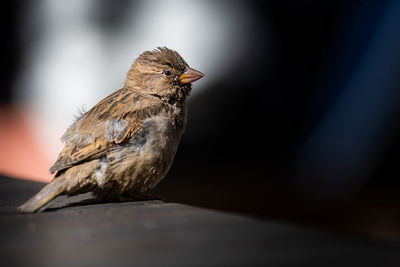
{"x":49,"y":192}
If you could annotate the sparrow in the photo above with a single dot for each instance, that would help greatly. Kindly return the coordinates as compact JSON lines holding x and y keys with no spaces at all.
{"x":124,"y":146}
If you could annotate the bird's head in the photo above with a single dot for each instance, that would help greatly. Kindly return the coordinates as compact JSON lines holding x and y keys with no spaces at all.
{"x":162,"y":72}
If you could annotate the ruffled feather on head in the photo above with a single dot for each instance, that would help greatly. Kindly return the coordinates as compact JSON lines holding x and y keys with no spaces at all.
{"x":162,"y":56}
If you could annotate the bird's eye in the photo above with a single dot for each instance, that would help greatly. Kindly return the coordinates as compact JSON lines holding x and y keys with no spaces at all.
{"x":167,"y":72}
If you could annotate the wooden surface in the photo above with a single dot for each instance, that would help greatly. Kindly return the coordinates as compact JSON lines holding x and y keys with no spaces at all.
{"x":155,"y":233}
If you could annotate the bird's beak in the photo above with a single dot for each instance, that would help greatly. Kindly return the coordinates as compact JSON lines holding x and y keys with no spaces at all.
{"x":190,"y":75}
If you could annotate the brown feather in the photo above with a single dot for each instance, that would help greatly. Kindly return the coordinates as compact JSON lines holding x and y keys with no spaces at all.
{"x":126,"y":143}
{"x":125,"y":105}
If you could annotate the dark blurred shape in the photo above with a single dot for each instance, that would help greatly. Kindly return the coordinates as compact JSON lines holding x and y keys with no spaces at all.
{"x":9,"y":49}
{"x":361,"y":124}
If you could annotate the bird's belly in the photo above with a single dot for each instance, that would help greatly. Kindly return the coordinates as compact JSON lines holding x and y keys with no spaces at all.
{"x":140,"y":164}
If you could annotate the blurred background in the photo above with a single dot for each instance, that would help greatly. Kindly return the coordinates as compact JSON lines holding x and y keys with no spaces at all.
{"x":297,"y":119}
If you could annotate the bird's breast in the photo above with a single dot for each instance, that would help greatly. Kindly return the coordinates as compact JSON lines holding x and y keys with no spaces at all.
{"x":147,"y":157}
{"x":159,"y":134}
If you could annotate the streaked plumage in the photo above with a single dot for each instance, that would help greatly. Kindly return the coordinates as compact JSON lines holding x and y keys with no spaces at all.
{"x":125,"y":144}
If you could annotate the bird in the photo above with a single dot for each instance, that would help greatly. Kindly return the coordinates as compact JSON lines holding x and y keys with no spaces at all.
{"x":124,"y":146}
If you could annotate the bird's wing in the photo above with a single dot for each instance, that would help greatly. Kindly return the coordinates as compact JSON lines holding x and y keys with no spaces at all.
{"x":114,"y":120}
